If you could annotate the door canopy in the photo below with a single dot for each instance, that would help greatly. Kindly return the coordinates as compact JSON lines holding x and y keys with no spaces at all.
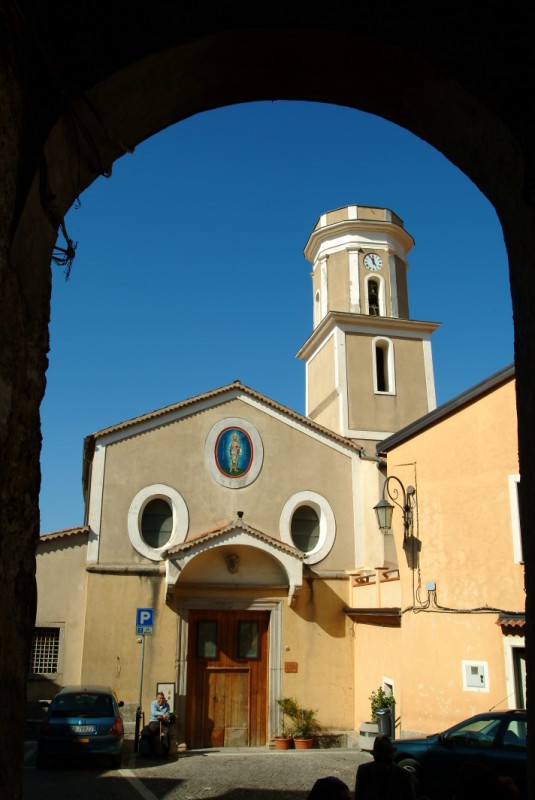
{"x":235,"y":555}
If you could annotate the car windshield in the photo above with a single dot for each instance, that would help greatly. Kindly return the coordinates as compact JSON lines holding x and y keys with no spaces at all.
{"x":82,"y":704}
{"x":476,"y":732}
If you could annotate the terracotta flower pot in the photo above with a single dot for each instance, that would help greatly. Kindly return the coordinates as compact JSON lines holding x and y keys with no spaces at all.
{"x":283,"y":742}
{"x":303,"y":744}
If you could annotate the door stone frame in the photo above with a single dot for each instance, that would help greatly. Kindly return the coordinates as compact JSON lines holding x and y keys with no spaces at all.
{"x":274,"y":665}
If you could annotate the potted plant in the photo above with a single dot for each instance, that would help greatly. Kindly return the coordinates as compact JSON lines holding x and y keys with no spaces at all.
{"x":284,"y":740}
{"x":303,"y":723}
{"x":305,"y":726}
{"x":369,"y":730}
{"x":380,"y":699}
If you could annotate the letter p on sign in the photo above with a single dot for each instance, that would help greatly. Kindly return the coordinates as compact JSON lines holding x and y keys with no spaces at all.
{"x":144,"y":620}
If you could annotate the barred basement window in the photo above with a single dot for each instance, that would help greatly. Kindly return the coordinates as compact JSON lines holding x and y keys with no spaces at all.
{"x":45,"y":651}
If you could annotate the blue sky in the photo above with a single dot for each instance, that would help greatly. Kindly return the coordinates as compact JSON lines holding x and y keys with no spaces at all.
{"x":190,"y":271}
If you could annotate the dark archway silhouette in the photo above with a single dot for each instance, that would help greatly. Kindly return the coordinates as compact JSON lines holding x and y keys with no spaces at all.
{"x":82,"y":83}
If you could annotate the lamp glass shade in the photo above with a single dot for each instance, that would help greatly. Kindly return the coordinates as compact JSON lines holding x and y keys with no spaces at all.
{"x":384,"y":511}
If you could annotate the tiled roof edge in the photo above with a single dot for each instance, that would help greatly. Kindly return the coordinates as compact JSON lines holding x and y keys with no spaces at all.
{"x":463,"y":399}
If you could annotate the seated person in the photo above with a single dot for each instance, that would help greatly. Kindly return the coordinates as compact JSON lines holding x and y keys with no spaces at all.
{"x":160,"y":715}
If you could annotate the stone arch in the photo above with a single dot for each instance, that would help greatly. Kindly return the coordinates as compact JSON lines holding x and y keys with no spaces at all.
{"x":81,"y":86}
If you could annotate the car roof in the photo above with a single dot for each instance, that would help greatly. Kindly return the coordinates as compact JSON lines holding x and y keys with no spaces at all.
{"x":505,"y":713}
{"x":483,"y":715}
{"x":86,"y":687}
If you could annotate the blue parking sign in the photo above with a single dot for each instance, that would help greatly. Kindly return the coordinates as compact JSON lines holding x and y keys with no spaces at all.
{"x":144,"y":621}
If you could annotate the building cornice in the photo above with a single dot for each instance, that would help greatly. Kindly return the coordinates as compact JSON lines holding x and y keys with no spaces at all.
{"x":336,"y":230}
{"x":386,"y":617}
{"x":364,"y":323}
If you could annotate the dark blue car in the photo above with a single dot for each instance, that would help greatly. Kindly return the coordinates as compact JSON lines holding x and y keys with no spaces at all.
{"x":496,"y":739}
{"x":82,"y":721}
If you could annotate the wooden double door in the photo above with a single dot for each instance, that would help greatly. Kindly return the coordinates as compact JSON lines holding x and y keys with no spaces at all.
{"x":226,"y":702}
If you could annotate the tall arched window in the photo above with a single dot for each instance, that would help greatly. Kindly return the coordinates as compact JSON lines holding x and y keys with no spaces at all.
{"x":381,"y":360}
{"x":375,"y":296}
{"x":383,"y":366}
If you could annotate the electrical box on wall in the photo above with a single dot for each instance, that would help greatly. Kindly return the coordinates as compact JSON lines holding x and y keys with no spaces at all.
{"x":475,"y":676}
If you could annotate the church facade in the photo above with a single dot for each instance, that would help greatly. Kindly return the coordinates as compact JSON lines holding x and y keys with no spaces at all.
{"x":229,"y":541}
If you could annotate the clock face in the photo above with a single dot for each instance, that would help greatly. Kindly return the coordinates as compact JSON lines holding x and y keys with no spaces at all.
{"x":373,"y":262}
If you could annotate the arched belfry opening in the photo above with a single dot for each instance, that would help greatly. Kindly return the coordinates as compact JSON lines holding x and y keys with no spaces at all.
{"x":73,"y":109}
{"x":372,"y":286}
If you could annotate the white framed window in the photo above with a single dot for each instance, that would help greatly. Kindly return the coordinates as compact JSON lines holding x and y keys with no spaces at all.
{"x":307,"y":522}
{"x":514,"y":482}
{"x":388,"y":686}
{"x":384,"y":379}
{"x":158,"y":518}
{"x":47,"y":650}
{"x":514,"y":649}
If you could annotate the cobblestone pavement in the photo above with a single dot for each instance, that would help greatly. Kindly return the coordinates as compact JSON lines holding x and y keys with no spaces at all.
{"x":229,"y":774}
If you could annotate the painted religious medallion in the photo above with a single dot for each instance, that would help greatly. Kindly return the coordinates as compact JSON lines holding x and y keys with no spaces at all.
{"x":234,"y":452}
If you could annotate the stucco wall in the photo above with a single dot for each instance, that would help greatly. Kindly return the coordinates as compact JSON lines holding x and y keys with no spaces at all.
{"x":62,"y":592}
{"x":338,"y":281}
{"x":376,"y":658}
{"x":316,"y":635}
{"x":368,"y":411}
{"x":174,"y":455}
{"x":460,"y":468}
{"x":315,"y":631}
{"x":323,"y":404}
{"x":314,"y":628}
{"x":112,"y":650}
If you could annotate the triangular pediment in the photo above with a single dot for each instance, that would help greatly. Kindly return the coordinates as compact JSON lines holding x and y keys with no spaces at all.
{"x":210,"y":400}
{"x":231,"y":532}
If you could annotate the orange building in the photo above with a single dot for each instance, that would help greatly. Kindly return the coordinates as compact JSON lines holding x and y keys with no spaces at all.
{"x":445,"y":630}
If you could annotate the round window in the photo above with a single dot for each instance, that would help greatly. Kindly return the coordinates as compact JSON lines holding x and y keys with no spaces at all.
{"x":307,"y":523}
{"x":157,"y":519}
{"x":305,"y":528}
{"x":157,"y":523}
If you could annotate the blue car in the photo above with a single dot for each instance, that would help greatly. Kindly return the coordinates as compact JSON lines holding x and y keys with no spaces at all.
{"x":82,"y":721}
{"x":496,"y":739}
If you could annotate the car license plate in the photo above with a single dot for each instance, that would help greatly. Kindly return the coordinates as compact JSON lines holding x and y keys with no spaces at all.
{"x":83,"y":728}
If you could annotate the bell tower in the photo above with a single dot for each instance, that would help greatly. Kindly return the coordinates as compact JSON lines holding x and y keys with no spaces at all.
{"x":369,"y":367}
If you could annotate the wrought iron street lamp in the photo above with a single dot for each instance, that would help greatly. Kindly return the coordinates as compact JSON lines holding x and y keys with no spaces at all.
{"x":384,"y":509}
